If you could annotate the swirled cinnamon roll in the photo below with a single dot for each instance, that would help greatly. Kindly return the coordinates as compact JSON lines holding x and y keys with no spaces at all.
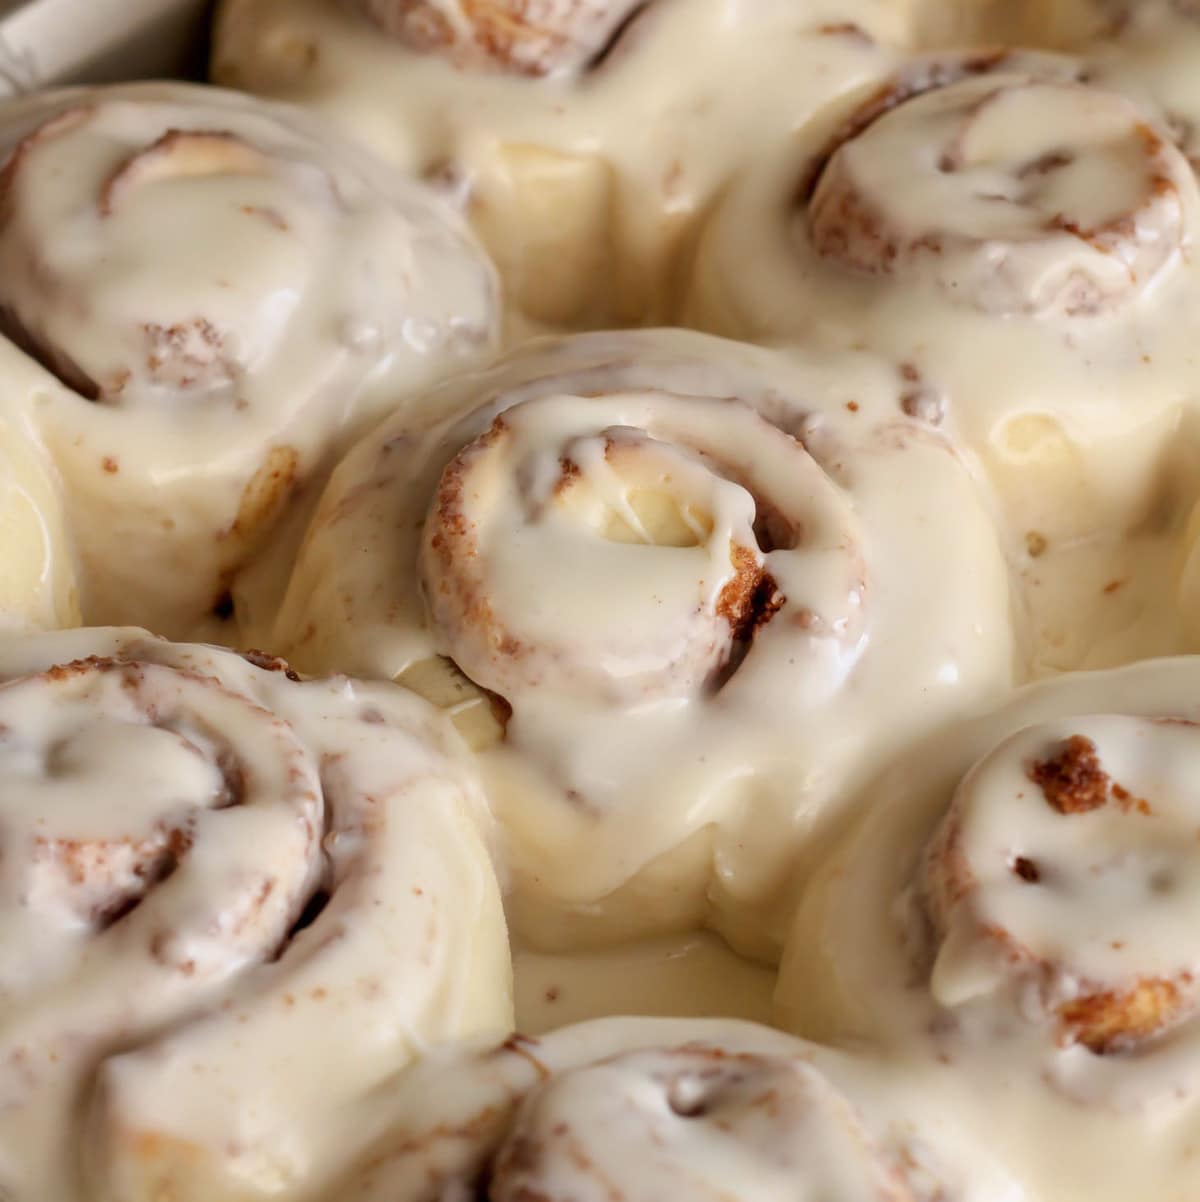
{"x":232,"y":902}
{"x":1017,"y":916}
{"x":650,"y":1109}
{"x":994,"y":202}
{"x":218,"y":294}
{"x":678,"y":592}
{"x":584,"y":138}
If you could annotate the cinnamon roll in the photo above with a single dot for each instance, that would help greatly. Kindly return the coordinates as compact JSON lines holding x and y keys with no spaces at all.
{"x":218,"y":294}
{"x":995,"y":202}
{"x":670,"y":589}
{"x":584,"y":138}
{"x":232,"y":903}
{"x":646,"y":1109}
{"x":1016,"y":915}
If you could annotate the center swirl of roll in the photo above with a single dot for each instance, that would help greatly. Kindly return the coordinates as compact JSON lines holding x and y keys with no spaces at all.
{"x":628,"y":546}
{"x":119,"y":782}
{"x":1011,"y":194}
{"x":698,"y":1122}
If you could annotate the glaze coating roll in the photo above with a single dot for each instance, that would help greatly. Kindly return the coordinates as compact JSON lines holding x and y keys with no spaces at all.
{"x":1014,"y":918}
{"x":233,"y":902}
{"x":679,"y":594}
{"x":584,"y":139}
{"x":993,"y":201}
{"x":192,"y":384}
{"x":644,"y":1108}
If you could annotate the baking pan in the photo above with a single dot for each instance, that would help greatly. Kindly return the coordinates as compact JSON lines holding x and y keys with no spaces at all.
{"x":48,"y":42}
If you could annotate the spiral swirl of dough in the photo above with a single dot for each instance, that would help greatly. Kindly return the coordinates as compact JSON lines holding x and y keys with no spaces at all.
{"x":646,"y":1108}
{"x":541,"y":38}
{"x":679,"y":568}
{"x":986,"y":188}
{"x":202,"y":380}
{"x":654,"y":497}
{"x":206,"y":864}
{"x":1016,"y":914}
{"x":714,"y":1123}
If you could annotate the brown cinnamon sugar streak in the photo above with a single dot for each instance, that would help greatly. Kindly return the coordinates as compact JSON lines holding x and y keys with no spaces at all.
{"x":1073,"y":780}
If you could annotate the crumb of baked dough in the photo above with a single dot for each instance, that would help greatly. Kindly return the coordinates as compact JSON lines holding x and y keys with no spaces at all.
{"x":1072,"y":780}
{"x":1109,"y":1022}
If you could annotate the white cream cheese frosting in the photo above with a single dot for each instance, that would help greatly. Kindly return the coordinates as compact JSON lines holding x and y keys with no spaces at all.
{"x":584,"y":149}
{"x":1011,"y":923}
{"x":642,"y":1109}
{"x":704,"y":586}
{"x":233,"y":902}
{"x":219,"y":292}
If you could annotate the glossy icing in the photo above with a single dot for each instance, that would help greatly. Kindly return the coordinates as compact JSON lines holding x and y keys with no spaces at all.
{"x":1011,"y":919}
{"x":688,"y":567}
{"x":195,"y":383}
{"x":232,"y":903}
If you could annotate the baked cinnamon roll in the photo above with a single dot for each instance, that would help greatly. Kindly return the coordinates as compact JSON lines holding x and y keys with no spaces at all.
{"x":678,"y":592}
{"x":38,"y":588}
{"x":232,"y":903}
{"x":649,"y":1109}
{"x":1016,"y":914}
{"x":218,"y":294}
{"x":584,"y":138}
{"x":995,"y":202}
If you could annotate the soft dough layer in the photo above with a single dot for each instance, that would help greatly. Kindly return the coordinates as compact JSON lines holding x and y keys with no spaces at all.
{"x":219,"y":292}
{"x":704,"y":587}
{"x":1015,"y":920}
{"x":232,"y":903}
{"x":584,"y":147}
{"x":38,"y":589}
{"x":642,"y":1109}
